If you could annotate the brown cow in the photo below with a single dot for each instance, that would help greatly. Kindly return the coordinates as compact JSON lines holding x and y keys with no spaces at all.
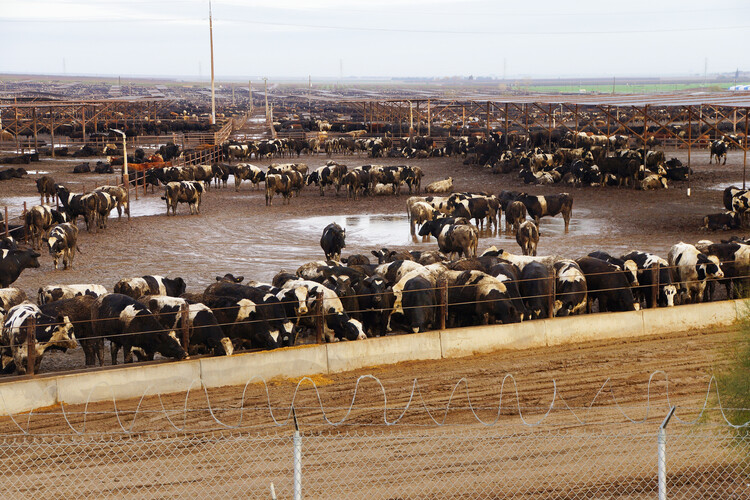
{"x":278,"y":183}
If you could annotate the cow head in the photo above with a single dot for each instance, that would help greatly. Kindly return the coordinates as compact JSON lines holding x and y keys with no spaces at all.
{"x":230,"y":278}
{"x":668,"y":294}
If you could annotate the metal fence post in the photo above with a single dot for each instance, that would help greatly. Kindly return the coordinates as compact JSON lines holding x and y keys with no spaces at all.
{"x":443,"y":304}
{"x":31,"y":346}
{"x":319,"y":318}
{"x":297,"y":442}
{"x":662,"y":455}
{"x":185,"y":323}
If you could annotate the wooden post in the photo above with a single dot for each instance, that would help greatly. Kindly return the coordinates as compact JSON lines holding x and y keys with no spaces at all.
{"x":744,"y":157}
{"x":690,"y":145}
{"x":489,"y":128}
{"x":443,"y":304}
{"x":429,"y":120}
{"x":31,"y":346}
{"x":6,"y":221}
{"x":52,"y":131}
{"x":551,"y":297}
{"x":507,"y":144}
{"x":185,"y":323}
{"x":549,"y":130}
{"x":319,"y":318}
{"x":36,"y":142}
{"x":25,"y":226}
{"x":655,"y":286}
{"x":645,"y":140}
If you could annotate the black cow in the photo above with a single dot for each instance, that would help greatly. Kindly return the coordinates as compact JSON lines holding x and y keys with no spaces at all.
{"x":630,"y":267}
{"x":419,"y":304}
{"x":13,"y":262}
{"x":78,"y":309}
{"x":332,"y":241}
{"x":45,"y":185}
{"x":127,"y":323}
{"x":722,"y":221}
{"x":608,"y":285}
{"x":515,"y":214}
{"x":535,"y":286}
{"x":478,"y":298}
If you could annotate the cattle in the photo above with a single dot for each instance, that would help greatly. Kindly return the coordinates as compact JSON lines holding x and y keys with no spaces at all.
{"x":45,"y":186}
{"x":734,"y":257}
{"x":333,"y":241}
{"x":461,"y":239}
{"x":722,"y":221}
{"x":63,"y":243}
{"x":246,"y":171}
{"x":336,"y":323}
{"x":550,"y":205}
{"x":718,"y":149}
{"x":10,"y":297}
{"x":444,"y":186}
{"x":477,"y":206}
{"x":220,"y":173}
{"x":527,"y":237}
{"x":479,"y":298}
{"x":652,"y":182}
{"x":76,"y":205}
{"x":49,"y":332}
{"x":189,"y":192}
{"x":330,"y":174}
{"x":653,"y":271}
{"x":630,"y":267}
{"x":357,"y":182}
{"x":78,"y":310}
{"x":536,"y":289}
{"x":691,"y":269}
{"x":52,"y":293}
{"x":278,"y":184}
{"x":82,"y":168}
{"x":205,"y":334}
{"x":38,"y":220}
{"x":608,"y":285}
{"x":150,"y":285}
{"x":729,"y":194}
{"x":571,"y":295}
{"x":515,"y":214}
{"x":13,"y":262}
{"x":127,"y":323}
{"x":418,"y":304}
{"x":418,"y":212}
{"x":120,"y":194}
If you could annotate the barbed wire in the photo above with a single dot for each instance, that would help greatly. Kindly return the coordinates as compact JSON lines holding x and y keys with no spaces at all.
{"x":437,"y":415}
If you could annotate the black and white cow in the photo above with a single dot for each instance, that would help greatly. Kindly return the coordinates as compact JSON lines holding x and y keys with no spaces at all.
{"x":691,"y":269}
{"x":527,"y":237}
{"x":63,"y":243}
{"x":571,"y":294}
{"x":549,"y":205}
{"x":13,"y":262}
{"x":246,"y":171}
{"x":608,"y":285}
{"x":150,"y":285}
{"x":49,"y":332}
{"x":327,"y":175}
{"x":333,"y":241}
{"x":51,"y":293}
{"x":461,"y":239}
{"x":515,"y":214}
{"x":337,"y":323}
{"x":479,"y":298}
{"x":189,"y":192}
{"x":735,"y":264}
{"x":10,"y":297}
{"x":630,"y":267}
{"x":129,"y":324}
{"x":653,"y":270}
{"x":718,"y":149}
{"x":205,"y":334}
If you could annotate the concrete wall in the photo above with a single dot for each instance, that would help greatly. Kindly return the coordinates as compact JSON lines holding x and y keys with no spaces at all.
{"x":135,"y":381}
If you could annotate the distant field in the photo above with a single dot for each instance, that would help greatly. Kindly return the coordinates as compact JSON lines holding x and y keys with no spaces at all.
{"x":626,"y":88}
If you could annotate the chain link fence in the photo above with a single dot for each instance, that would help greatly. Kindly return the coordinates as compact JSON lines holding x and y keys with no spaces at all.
{"x":458,"y":462}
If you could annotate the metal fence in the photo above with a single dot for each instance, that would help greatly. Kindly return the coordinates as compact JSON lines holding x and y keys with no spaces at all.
{"x":452,"y":463}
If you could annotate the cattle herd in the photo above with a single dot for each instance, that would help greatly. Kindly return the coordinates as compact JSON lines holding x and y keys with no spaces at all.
{"x":353,"y":298}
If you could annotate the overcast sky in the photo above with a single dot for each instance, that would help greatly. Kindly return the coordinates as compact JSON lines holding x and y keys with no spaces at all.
{"x":297,"y":38}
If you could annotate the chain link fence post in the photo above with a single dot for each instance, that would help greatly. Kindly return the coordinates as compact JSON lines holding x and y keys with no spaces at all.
{"x":297,"y":444}
{"x":662,"y":455}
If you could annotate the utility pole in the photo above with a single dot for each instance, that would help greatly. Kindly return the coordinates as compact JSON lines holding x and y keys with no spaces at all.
{"x":211,"y":35}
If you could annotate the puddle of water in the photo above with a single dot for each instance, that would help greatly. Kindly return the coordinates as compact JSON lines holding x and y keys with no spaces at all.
{"x":723,"y":185}
{"x":15,"y":205}
{"x":37,"y":172}
{"x":147,"y":205}
{"x":374,"y":230}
